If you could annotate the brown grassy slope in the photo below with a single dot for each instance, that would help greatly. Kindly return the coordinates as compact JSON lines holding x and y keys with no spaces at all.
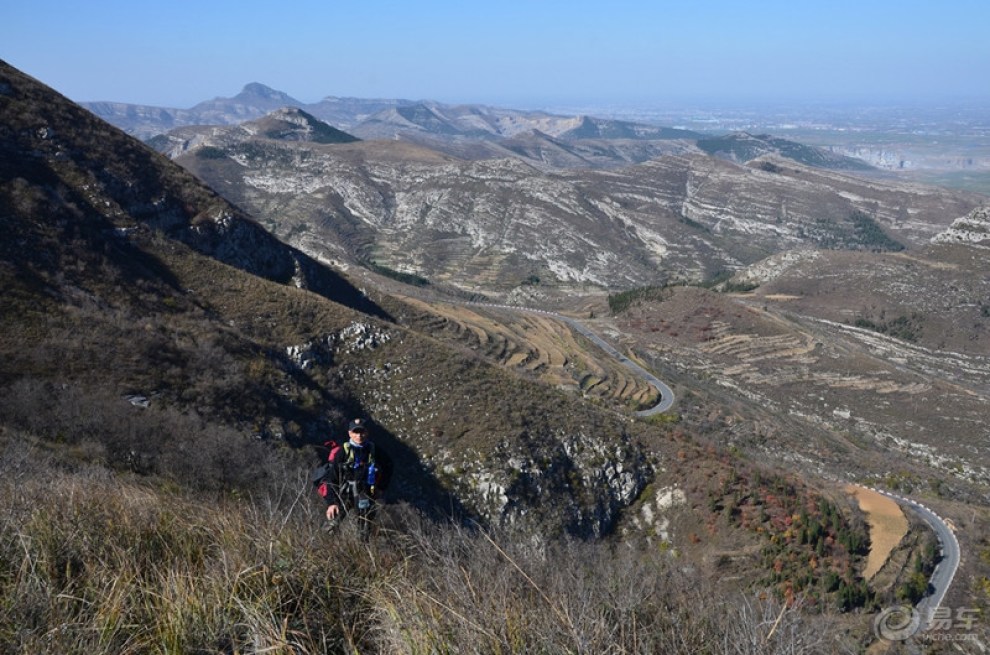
{"x":937,"y":297}
{"x":107,"y":301}
{"x":112,"y":566}
{"x":827,"y":399}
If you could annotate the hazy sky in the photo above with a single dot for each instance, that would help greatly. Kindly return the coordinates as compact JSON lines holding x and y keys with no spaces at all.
{"x":517,"y":53}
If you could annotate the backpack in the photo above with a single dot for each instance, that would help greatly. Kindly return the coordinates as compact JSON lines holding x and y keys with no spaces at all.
{"x":377,"y":473}
{"x":322,"y":472}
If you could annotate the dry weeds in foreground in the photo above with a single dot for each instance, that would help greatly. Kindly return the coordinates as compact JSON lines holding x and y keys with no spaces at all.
{"x":90,"y":564}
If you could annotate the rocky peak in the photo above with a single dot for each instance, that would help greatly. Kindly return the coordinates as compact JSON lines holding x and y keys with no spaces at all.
{"x":256,"y":90}
{"x":972,"y":229}
{"x":294,"y":124}
{"x":294,"y":115}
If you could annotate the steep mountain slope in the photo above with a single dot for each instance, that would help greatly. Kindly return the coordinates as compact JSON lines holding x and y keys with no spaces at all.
{"x":115,"y":285}
{"x":152,"y":331}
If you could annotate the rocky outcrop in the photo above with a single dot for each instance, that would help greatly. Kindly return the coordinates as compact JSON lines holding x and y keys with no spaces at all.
{"x":972,"y":229}
{"x":493,"y":225}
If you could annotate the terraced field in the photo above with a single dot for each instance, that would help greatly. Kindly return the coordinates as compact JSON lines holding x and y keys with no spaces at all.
{"x":536,"y":345}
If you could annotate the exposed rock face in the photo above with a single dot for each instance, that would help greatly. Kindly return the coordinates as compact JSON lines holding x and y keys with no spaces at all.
{"x":71,"y":185}
{"x":547,"y":477}
{"x":973,"y":229}
{"x":292,"y":124}
{"x":773,"y":267}
{"x":492,"y":225}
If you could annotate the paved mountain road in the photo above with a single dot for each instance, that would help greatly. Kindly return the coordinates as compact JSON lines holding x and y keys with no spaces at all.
{"x":946,"y":569}
{"x":944,"y":572}
{"x":666,"y":393}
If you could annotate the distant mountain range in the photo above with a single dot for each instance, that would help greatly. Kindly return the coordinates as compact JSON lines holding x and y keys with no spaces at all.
{"x":125,"y":277}
{"x":472,"y":132}
{"x":254,"y":101}
{"x":826,"y":323}
{"x":489,"y":223}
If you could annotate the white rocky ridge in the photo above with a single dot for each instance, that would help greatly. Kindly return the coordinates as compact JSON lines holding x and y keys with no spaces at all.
{"x":496,"y":222}
{"x":972,"y":229}
{"x":562,"y":224}
{"x":773,"y":267}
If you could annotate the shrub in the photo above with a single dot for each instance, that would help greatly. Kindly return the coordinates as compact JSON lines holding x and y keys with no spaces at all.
{"x":210,"y":152}
{"x":622,"y":301}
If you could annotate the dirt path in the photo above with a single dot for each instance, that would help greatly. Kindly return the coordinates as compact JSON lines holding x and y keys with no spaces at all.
{"x":887,"y":522}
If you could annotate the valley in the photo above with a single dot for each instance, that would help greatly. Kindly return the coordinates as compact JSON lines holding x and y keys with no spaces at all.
{"x":857,"y":350}
{"x":818,"y":325}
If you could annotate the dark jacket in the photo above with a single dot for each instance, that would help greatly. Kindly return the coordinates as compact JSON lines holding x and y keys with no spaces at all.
{"x":352,"y":470}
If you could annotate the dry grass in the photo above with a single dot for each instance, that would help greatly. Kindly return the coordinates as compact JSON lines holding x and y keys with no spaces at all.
{"x":888,"y":526}
{"x":92,"y":564}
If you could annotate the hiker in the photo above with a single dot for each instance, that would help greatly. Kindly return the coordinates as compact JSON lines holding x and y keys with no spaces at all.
{"x":354,"y":476}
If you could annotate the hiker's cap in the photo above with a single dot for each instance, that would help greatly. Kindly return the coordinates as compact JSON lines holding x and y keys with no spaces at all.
{"x":357,"y":425}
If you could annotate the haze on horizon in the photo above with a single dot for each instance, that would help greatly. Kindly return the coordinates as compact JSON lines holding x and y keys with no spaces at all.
{"x":517,"y":53}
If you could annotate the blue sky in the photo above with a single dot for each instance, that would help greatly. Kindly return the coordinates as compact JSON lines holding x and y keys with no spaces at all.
{"x":513,"y":53}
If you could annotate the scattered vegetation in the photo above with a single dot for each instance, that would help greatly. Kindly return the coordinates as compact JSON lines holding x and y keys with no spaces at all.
{"x":744,"y":147}
{"x":106,"y":565}
{"x":211,"y":152}
{"x":690,"y":222}
{"x":860,"y":232}
{"x":739,"y":287}
{"x":623,"y":300}
{"x":811,"y":547}
{"x":916,"y":586}
{"x":723,"y":282}
{"x":531,"y":280}
{"x":405,"y":278}
{"x":869,"y":234}
{"x":721,"y":277}
{"x":907,"y":328}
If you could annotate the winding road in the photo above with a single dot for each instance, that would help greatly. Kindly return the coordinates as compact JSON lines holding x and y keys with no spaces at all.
{"x":947,"y":566}
{"x":666,"y":393}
